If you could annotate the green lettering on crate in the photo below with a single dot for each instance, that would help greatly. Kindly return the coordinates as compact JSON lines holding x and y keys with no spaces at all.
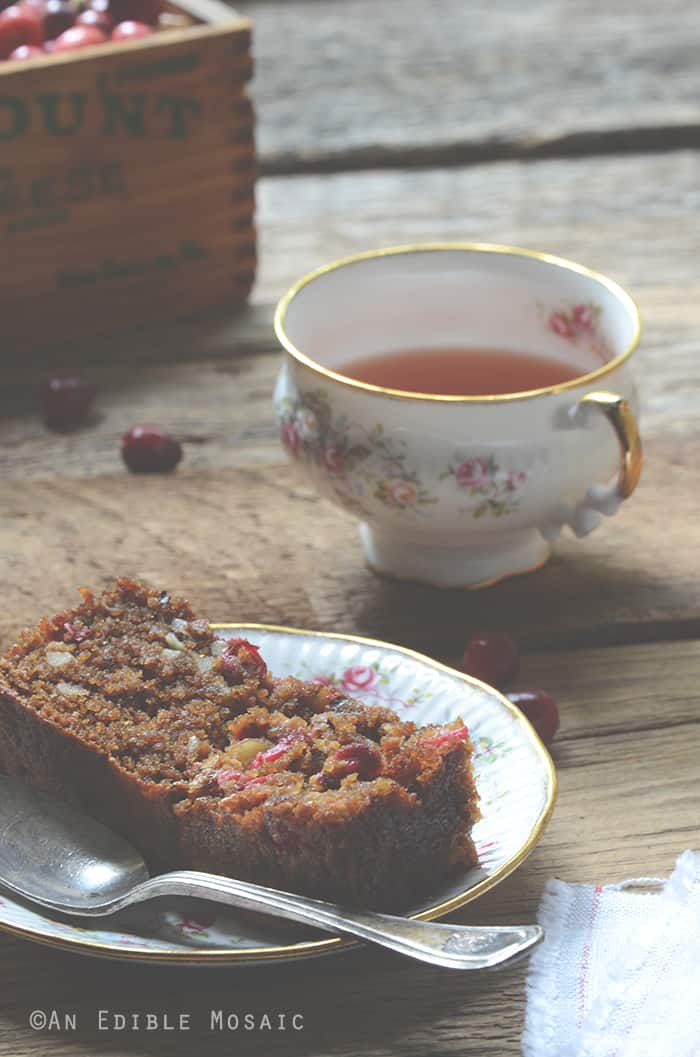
{"x":9,"y":192}
{"x":126,"y":111}
{"x":111,"y":269}
{"x":53,"y":103}
{"x":17,"y":119}
{"x":179,"y":109}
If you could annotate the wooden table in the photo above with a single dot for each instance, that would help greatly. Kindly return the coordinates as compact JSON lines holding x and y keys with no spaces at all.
{"x":566,"y":126}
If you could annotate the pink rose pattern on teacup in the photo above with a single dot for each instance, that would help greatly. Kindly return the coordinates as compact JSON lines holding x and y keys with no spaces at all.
{"x":360,"y":465}
{"x":495,"y":490}
{"x":578,"y":323}
{"x":397,"y":492}
{"x":474,"y":473}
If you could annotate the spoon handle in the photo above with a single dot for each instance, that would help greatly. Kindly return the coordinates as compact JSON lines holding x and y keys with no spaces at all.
{"x":452,"y":946}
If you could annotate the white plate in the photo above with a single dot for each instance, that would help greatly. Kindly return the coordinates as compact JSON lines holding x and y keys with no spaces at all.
{"x":514,"y":774}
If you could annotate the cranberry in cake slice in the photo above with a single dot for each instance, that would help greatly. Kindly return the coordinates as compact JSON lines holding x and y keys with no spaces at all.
{"x":184,"y":743}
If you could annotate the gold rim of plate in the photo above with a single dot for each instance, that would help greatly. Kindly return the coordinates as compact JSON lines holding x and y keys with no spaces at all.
{"x":472,"y":247}
{"x":309,"y":948}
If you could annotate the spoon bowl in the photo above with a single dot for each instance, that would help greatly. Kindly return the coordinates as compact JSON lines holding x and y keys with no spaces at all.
{"x":52,"y":853}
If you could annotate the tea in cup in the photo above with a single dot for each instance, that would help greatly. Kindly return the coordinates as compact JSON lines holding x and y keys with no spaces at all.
{"x":463,"y":401}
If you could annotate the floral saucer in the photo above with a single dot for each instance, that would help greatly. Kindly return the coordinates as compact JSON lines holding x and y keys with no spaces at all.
{"x":514,"y":775}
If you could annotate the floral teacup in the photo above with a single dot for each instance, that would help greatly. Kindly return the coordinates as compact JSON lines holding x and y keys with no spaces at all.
{"x":461,"y":490}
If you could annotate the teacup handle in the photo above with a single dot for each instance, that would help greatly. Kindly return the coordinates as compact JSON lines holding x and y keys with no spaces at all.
{"x":600,"y":498}
{"x":621,"y":417}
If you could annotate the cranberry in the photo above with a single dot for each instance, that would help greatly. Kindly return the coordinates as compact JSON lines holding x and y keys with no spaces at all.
{"x":19,"y":25}
{"x":231,"y":668}
{"x":26,"y":51}
{"x":248,"y":655}
{"x":491,"y":656}
{"x":75,"y":634}
{"x":146,"y":11}
{"x":228,"y":779}
{"x":66,"y":401}
{"x":78,"y":37}
{"x":276,"y":752}
{"x":231,"y":781}
{"x":58,"y":17}
{"x":540,"y":708}
{"x":448,"y":737}
{"x":131,"y":30}
{"x":361,"y":758}
{"x":245,"y":782}
{"x":98,"y":19}
{"x":146,"y":449}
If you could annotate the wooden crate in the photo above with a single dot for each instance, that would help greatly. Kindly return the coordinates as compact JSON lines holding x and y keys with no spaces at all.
{"x":127,"y":179}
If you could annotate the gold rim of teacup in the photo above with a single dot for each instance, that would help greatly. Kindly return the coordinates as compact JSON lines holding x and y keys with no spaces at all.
{"x":470,"y":247}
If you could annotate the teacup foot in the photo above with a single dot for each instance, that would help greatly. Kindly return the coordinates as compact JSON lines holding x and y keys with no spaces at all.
{"x":461,"y":567}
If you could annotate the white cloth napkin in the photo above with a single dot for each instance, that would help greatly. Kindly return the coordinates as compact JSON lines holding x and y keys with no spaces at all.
{"x":618,"y":974}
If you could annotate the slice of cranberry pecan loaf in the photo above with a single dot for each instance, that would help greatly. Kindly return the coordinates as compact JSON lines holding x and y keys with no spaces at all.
{"x":184,"y":743}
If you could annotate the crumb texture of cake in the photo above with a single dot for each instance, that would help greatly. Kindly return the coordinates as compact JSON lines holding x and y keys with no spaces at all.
{"x":183,"y":742}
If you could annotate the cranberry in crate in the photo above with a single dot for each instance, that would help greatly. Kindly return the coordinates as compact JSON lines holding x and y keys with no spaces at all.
{"x":127,"y":165}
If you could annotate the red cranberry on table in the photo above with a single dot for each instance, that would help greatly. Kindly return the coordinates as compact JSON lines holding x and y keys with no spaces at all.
{"x":66,"y":401}
{"x":78,"y":37}
{"x":491,"y":656}
{"x":131,"y":30}
{"x":26,"y":51}
{"x":540,"y":708}
{"x":20,"y":25}
{"x":146,"y":449}
{"x":58,"y":17}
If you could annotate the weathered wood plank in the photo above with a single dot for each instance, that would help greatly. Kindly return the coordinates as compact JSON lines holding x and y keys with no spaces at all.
{"x":642,"y":783}
{"x":257,"y":544}
{"x":357,"y":80}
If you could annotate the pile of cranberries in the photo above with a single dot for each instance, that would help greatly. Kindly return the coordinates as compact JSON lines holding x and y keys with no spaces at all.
{"x":34,"y":28}
{"x":493,"y":657}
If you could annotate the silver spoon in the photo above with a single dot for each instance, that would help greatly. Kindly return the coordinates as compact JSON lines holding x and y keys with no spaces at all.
{"x":54,"y":854}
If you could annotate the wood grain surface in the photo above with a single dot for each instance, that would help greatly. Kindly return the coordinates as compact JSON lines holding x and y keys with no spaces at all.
{"x":257,"y":544}
{"x":368,"y":83}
